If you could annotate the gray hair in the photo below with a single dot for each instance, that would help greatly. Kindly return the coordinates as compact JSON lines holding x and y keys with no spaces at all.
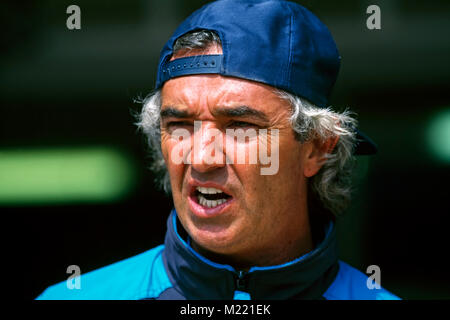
{"x":330,"y":187}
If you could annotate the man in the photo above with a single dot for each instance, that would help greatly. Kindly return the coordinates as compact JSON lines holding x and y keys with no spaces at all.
{"x":257,"y":165}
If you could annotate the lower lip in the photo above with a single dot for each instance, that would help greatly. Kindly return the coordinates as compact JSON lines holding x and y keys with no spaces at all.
{"x":205,"y":212}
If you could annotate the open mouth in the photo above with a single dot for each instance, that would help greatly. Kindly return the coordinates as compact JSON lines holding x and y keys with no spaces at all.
{"x":210,"y":197}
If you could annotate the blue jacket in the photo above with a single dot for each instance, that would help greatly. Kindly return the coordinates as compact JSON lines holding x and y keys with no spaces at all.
{"x":175,"y":271}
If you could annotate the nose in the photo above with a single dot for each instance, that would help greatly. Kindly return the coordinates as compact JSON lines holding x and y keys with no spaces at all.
{"x":208,"y":150}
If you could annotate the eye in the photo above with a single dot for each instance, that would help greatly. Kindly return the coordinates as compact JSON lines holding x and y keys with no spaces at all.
{"x":241,"y":124}
{"x":177,"y":124}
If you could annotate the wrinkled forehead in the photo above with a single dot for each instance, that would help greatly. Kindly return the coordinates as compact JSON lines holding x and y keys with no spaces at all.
{"x":212,"y":91}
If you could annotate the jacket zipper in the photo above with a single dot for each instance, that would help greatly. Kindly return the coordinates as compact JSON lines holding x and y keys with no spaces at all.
{"x":241,"y":281}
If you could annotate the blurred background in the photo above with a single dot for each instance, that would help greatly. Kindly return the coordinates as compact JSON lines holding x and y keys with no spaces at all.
{"x":74,"y":184}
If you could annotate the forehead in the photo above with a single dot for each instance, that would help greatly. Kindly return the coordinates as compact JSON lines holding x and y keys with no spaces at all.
{"x":215,"y":90}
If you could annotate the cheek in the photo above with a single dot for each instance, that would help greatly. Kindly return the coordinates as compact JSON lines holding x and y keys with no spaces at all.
{"x":289,"y":176}
{"x":170,"y":149}
{"x":166,"y":144}
{"x":292,"y":181}
{"x":176,"y":147}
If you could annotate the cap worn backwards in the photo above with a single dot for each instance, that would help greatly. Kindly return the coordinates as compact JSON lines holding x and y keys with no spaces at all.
{"x":279,"y":43}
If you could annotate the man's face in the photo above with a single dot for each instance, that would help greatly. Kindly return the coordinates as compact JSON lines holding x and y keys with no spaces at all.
{"x":261,"y":214}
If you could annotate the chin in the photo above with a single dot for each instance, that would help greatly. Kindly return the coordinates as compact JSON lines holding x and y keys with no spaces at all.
{"x":220,"y":242}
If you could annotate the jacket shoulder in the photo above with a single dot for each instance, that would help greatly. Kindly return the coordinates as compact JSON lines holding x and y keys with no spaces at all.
{"x":351,"y":284}
{"x":137,"y":277}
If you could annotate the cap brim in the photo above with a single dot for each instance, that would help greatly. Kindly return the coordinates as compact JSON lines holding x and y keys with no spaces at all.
{"x":364,"y":145}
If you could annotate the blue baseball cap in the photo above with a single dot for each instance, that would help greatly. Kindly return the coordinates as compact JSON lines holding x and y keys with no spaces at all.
{"x":275,"y":42}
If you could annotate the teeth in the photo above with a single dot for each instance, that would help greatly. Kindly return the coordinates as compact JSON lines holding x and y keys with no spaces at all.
{"x":208,"y":190}
{"x":210,"y":203}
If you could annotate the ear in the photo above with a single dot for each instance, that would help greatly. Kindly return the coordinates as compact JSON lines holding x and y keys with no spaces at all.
{"x":315,"y":157}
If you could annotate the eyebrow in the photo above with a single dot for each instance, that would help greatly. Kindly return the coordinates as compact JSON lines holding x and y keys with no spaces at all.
{"x":241,"y":112}
{"x":235,"y":112}
{"x":171,"y":112}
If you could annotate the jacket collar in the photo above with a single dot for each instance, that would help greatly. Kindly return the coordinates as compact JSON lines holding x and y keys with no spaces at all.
{"x":196,"y":277}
